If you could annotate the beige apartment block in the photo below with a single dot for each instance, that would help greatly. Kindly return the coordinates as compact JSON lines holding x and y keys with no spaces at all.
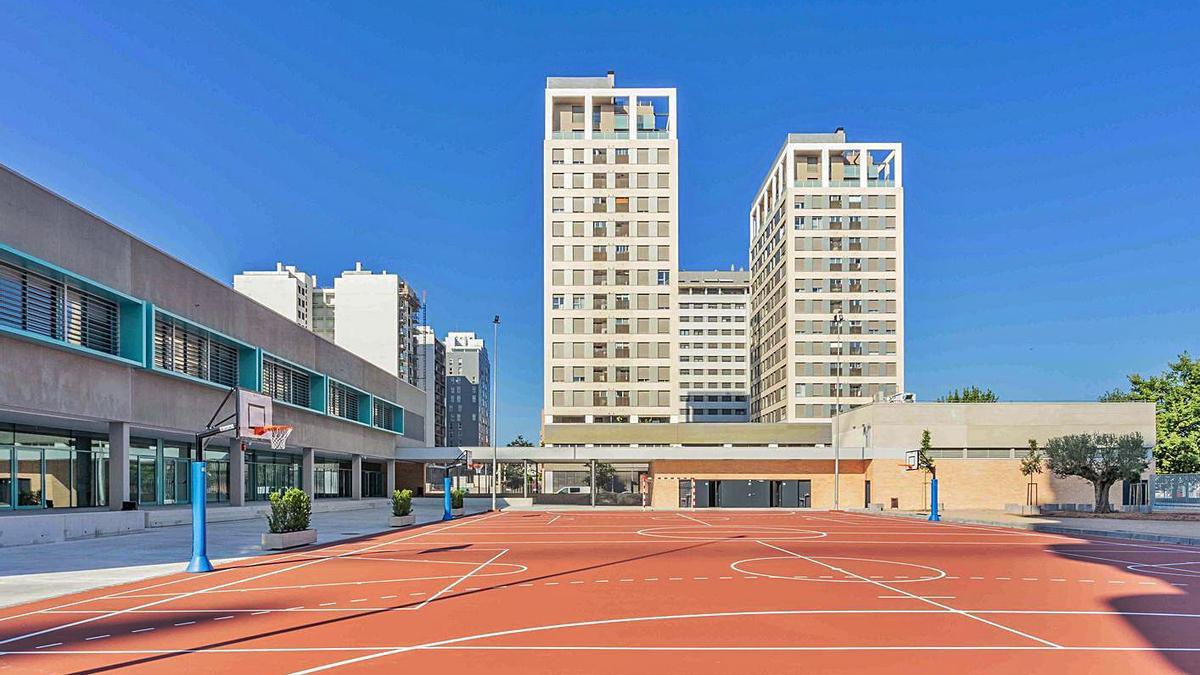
{"x":713,"y":346}
{"x":827,"y":242}
{"x":611,"y":201}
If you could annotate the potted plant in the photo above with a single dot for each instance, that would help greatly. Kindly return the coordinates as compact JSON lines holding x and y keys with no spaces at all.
{"x":456,"y":502}
{"x":288,"y":521}
{"x":402,"y":515}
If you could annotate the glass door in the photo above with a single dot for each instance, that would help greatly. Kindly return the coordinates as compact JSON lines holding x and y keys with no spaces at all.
{"x":29,"y":478}
{"x":6,"y":478}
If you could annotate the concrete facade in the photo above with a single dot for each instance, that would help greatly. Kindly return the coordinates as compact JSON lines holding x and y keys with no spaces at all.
{"x":713,"y":348}
{"x":285,"y":289}
{"x":49,"y":381}
{"x":611,"y":216}
{"x":468,"y":391}
{"x":827,"y":262}
{"x":431,"y":370}
{"x":375,"y":316}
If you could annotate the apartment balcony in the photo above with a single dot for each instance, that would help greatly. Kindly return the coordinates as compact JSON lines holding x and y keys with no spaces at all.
{"x":807,"y":182}
{"x":560,"y":135}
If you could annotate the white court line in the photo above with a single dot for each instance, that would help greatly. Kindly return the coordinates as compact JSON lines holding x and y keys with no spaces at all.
{"x":915,"y":597}
{"x":224,"y":585}
{"x":812,"y":612}
{"x":608,"y":648}
{"x":672,"y":617}
{"x":697,"y":520}
{"x":556,"y":517}
{"x":461,"y":579}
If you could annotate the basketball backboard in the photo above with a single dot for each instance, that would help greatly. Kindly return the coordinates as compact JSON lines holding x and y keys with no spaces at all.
{"x":912,"y":459}
{"x":253,"y":411}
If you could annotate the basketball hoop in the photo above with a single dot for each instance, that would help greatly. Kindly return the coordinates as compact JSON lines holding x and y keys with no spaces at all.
{"x":912,"y":460}
{"x":276,"y":433}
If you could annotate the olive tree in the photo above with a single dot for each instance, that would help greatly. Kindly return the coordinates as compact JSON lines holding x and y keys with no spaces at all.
{"x":1101,"y":459}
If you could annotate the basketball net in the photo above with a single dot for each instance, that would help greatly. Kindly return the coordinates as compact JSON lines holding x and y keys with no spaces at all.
{"x":276,"y":433}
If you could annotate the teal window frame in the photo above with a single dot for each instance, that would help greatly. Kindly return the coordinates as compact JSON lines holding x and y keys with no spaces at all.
{"x":130,"y":311}
{"x":249,"y":357}
{"x":317,"y":383}
{"x":366,"y":406}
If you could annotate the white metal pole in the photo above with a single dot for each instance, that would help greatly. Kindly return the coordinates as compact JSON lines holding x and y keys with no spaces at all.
{"x":837,"y":455}
{"x":494,"y":422}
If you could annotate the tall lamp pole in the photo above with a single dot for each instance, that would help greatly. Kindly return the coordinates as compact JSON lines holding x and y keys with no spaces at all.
{"x":494,"y":422}
{"x":838,"y":320}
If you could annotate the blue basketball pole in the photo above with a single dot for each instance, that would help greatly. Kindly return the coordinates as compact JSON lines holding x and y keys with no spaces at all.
{"x":446,"y":515}
{"x":933,"y":493}
{"x":200,"y":562}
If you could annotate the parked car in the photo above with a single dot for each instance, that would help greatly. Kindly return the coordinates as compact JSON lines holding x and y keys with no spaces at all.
{"x":574,"y":490}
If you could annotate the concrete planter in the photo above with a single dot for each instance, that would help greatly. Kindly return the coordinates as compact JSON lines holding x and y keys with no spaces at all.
{"x":404,"y":521}
{"x":457,"y":512}
{"x":278,"y":542}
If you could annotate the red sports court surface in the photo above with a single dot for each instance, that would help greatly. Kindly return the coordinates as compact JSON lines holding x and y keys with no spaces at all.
{"x":604,"y":592}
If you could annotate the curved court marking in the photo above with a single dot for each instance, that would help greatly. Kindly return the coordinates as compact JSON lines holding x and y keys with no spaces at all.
{"x":737,"y":532}
{"x":710,"y":615}
{"x":1161,"y":569}
{"x":938,"y":573}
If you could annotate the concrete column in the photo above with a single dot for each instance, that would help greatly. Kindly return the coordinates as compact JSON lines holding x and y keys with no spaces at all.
{"x":592,"y":470}
{"x":390,"y":481}
{"x":237,"y":474}
{"x":825,"y":167}
{"x":633,"y":117}
{"x":587,"y":117}
{"x":118,"y":464}
{"x":308,"y":472}
{"x":356,"y":477}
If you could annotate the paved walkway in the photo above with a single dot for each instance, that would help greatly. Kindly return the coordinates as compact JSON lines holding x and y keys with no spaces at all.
{"x":1163,"y":531}
{"x":40,"y":571}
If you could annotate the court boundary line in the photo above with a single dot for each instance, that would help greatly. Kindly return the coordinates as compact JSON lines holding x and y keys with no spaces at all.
{"x":916,"y":597}
{"x":457,"y":581}
{"x":225,"y":585}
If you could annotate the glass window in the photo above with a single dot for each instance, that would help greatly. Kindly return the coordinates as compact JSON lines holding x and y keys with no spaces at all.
{"x":28,"y":477}
{"x":6,"y":478}
{"x":285,"y":383}
{"x":182,"y":348}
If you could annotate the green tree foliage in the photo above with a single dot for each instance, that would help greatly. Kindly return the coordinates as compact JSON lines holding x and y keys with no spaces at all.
{"x":1176,"y":397}
{"x":970,"y":395}
{"x":520,"y":442}
{"x":1031,"y":463}
{"x":291,"y":511}
{"x":1101,"y":459}
{"x":456,"y":498}
{"x":924,"y":461}
{"x":401,"y":502}
{"x":605,"y":473}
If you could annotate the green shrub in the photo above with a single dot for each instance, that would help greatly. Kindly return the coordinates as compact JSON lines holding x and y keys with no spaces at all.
{"x":401,"y":502}
{"x":456,"y":498}
{"x":291,"y":511}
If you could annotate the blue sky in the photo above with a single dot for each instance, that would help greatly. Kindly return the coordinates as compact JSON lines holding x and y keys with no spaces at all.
{"x":1052,"y":153}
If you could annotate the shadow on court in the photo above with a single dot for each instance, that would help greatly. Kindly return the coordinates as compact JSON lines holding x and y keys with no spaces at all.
{"x":124,"y":624}
{"x":1149,"y":613}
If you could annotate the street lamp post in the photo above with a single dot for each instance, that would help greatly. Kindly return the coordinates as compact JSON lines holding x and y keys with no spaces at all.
{"x":838,"y":320}
{"x":495,"y":421}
